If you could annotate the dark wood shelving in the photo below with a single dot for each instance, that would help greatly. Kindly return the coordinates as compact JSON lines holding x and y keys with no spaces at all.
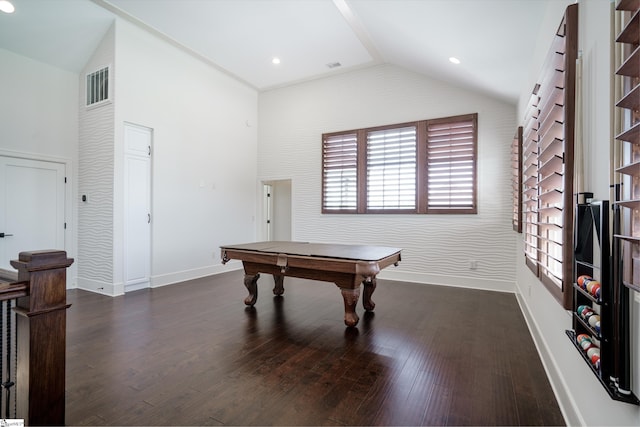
{"x":628,"y":5}
{"x":626,"y":233}
{"x":631,"y":65}
{"x":631,"y":135}
{"x":633,"y":204}
{"x":631,"y":100}
{"x":632,"y":239}
{"x":631,"y":32}
{"x":631,"y":285}
{"x":630,"y":169}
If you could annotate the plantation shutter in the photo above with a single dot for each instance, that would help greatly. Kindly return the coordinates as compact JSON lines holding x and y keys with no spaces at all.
{"x":530,"y":183}
{"x":516,"y":178}
{"x":548,"y":198}
{"x":451,"y":164}
{"x":339,"y":165}
{"x":391,"y":169}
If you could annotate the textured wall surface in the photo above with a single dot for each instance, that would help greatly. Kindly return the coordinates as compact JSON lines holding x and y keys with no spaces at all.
{"x":437,"y":248}
{"x":95,"y":177}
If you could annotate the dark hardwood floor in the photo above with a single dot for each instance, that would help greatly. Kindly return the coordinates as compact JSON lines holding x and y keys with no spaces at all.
{"x":192,"y":354}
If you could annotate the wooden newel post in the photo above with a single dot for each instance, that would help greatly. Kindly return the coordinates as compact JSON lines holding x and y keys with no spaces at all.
{"x":41,"y":329}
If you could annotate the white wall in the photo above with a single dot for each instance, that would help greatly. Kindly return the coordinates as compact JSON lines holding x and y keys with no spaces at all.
{"x":204,"y":154}
{"x":38,"y":120}
{"x":546,"y":33}
{"x":582,"y":397}
{"x":95,"y":176}
{"x":436,"y":248}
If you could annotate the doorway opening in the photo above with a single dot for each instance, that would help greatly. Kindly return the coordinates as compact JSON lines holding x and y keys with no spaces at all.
{"x":276,"y":210}
{"x":32,"y":207}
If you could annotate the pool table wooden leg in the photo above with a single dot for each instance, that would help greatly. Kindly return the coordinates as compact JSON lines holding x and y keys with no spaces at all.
{"x":278,"y":289}
{"x":351,"y":297}
{"x":369,"y":288}
{"x":251,"y":282}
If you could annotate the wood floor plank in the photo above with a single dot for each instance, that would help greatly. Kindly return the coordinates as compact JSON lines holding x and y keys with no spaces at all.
{"x":193,"y":354}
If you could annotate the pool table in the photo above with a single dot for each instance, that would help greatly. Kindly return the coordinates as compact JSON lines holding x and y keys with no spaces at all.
{"x":345,"y":265}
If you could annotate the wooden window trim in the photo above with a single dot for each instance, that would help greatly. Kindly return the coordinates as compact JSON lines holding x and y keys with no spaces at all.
{"x":422,"y":179}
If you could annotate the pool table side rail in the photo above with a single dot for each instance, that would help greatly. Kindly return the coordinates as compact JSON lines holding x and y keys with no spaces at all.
{"x":322,"y":250}
{"x":287,"y":261}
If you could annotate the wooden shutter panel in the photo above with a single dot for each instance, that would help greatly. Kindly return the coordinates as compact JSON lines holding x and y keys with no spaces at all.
{"x":451,"y":164}
{"x":530,"y":183}
{"x":516,"y":177}
{"x":339,"y":165}
{"x":391,"y":169}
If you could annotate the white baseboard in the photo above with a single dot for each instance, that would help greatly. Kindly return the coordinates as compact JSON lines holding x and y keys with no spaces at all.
{"x":565,"y":401}
{"x":104,"y":288}
{"x":388,"y":274}
{"x":456,"y":281}
{"x":196,"y":273}
{"x":117,"y":289}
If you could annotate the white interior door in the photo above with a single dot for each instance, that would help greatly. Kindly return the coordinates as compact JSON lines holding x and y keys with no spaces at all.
{"x":137,"y":224}
{"x":32,"y":216}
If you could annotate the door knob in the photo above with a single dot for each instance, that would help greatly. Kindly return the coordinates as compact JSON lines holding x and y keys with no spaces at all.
{"x":3,"y":235}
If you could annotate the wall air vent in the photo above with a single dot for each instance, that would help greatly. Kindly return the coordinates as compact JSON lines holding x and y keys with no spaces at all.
{"x":98,"y":86}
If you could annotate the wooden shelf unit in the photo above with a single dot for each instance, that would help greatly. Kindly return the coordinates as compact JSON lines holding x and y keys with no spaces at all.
{"x":625,"y":248}
{"x":628,"y":76}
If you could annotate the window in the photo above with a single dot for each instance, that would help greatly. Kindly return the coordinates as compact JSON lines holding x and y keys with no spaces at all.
{"x":391,"y":168}
{"x":98,"y":86}
{"x":340,"y":159}
{"x":428,"y":166}
{"x":548,"y":166}
{"x":451,"y":165}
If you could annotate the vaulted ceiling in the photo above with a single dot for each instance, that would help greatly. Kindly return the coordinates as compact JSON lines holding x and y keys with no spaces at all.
{"x":310,"y":37}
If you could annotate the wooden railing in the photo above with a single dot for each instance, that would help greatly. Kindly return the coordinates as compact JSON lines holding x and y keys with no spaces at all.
{"x":41,"y":304}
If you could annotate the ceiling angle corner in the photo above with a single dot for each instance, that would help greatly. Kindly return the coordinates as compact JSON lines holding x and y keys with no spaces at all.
{"x":360,"y":31}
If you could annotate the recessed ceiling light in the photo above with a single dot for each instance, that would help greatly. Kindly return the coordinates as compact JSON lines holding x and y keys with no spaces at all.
{"x":6,"y":6}
{"x":275,"y":60}
{"x":454,"y":60}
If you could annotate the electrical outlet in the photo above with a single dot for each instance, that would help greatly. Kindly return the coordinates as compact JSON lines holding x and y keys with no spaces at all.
{"x":473,"y":264}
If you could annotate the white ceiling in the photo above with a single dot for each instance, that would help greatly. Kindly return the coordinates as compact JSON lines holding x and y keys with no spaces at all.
{"x":242,"y":36}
